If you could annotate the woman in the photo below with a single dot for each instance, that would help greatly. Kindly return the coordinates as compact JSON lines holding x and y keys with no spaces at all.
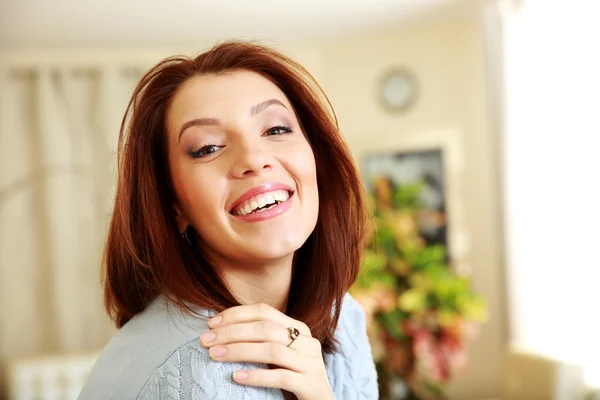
{"x":238,"y":201}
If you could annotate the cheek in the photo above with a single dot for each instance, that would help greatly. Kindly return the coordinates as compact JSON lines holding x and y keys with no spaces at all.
{"x":307,"y":173}
{"x":308,"y":165}
{"x":198,"y":193}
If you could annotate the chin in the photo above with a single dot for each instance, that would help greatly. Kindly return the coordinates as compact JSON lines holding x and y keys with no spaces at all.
{"x":270,"y":249}
{"x":274,"y":250}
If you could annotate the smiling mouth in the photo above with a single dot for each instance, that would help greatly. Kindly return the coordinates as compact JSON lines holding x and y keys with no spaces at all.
{"x":262,"y":202}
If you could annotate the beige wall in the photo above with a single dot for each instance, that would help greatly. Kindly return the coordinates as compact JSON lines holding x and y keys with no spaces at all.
{"x":448,"y":59}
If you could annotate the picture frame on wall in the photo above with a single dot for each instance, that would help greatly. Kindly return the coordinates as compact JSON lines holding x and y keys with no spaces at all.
{"x":422,"y":168}
{"x":436,"y":157}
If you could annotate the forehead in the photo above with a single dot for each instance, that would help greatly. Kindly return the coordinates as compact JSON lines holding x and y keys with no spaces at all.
{"x":213,"y":95}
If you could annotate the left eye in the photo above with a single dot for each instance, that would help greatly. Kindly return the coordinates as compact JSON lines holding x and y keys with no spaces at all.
{"x":278,"y":130}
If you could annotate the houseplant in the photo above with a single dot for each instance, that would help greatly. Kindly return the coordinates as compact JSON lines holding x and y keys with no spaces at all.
{"x":419,"y":312}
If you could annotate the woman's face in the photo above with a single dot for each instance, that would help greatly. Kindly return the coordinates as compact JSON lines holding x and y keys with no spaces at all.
{"x":243,"y":172}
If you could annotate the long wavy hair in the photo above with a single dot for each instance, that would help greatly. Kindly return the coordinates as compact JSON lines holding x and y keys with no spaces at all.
{"x":145,"y":255}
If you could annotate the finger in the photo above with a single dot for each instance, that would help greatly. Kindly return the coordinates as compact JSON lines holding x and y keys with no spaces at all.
{"x":260,"y":331}
{"x":257,"y":312}
{"x":262,"y":353}
{"x":257,"y":331}
{"x":273,"y":378}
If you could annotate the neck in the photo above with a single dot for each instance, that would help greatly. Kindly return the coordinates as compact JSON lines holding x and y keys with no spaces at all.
{"x":265,"y":282}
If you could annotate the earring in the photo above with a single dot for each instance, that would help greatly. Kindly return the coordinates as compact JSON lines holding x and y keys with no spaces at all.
{"x":185,"y":236}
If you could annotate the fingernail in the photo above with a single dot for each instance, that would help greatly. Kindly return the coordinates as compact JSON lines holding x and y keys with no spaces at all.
{"x":218,"y":351}
{"x":241,"y":375}
{"x":215,"y":321}
{"x":208,"y":337}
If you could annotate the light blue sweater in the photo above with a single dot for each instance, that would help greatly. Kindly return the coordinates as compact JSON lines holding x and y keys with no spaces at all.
{"x":158,"y":356}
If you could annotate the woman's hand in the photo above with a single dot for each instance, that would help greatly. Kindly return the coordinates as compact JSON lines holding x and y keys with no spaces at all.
{"x":259,"y":333}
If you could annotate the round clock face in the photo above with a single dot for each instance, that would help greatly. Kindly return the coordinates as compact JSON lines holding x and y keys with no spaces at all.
{"x":397,"y":90}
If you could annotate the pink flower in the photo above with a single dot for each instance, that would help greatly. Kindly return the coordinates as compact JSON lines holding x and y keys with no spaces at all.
{"x":430,"y":355}
{"x":454,"y":351}
{"x":440,"y":355}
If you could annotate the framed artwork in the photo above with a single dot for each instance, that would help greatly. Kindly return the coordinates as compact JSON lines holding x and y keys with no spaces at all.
{"x":419,"y":169}
{"x":435,"y":159}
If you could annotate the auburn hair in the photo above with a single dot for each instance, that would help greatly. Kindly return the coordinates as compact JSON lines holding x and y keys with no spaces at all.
{"x":145,"y":255}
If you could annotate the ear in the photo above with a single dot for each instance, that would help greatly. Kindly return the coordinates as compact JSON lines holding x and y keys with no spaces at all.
{"x":180,"y":218}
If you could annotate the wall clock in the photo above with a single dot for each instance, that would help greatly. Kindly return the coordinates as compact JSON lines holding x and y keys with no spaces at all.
{"x":397,"y":90}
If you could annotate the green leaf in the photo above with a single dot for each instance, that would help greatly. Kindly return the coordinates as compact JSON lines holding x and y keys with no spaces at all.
{"x":434,"y":388}
{"x":386,"y":241}
{"x":374,"y":261}
{"x":385,"y":278}
{"x":391,"y":321}
{"x":413,"y":300}
{"x":431,"y":255}
{"x":408,"y":196}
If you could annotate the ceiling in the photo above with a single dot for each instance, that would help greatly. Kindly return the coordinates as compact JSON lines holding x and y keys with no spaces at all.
{"x":67,"y":23}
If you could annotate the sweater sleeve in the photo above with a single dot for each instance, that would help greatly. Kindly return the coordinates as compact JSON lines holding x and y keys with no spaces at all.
{"x":190,"y":374}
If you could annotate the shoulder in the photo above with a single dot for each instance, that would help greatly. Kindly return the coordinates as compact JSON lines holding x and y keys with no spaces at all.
{"x":158,"y":355}
{"x":139,"y":348}
{"x":190,"y":373}
{"x":352,"y":311}
{"x":351,"y":370}
{"x":351,"y":332}
{"x":352,"y":327}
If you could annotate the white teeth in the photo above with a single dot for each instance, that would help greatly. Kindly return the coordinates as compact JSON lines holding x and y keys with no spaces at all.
{"x":280,"y":195}
{"x":257,"y":203}
{"x":265,"y":209}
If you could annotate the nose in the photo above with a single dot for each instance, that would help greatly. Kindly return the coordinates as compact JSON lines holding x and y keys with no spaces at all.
{"x":250,"y":160}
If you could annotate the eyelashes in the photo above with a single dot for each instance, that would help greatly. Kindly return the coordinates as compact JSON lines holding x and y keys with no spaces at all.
{"x":278,"y":130}
{"x":205,"y":151}
{"x":209,"y":149}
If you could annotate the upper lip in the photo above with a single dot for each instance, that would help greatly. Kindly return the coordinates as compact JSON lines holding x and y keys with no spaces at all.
{"x":255,"y":191}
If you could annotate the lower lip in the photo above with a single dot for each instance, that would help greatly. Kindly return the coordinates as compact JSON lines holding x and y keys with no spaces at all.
{"x":271,"y":213}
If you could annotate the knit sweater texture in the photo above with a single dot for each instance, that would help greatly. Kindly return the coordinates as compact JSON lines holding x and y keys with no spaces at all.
{"x":158,"y":356}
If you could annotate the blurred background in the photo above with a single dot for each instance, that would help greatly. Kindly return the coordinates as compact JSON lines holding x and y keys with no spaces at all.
{"x":476,"y":126}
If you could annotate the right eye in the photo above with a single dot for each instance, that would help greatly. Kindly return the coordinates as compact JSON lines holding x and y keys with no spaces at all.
{"x":205,"y":151}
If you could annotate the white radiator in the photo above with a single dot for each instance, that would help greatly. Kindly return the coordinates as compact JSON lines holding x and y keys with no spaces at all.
{"x":48,"y":378}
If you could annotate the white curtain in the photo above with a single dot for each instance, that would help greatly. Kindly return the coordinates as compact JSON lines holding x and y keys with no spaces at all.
{"x":58,"y":132}
{"x":551,"y":167}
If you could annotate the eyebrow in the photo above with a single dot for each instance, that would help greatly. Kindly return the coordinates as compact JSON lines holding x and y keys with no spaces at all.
{"x":260,"y":107}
